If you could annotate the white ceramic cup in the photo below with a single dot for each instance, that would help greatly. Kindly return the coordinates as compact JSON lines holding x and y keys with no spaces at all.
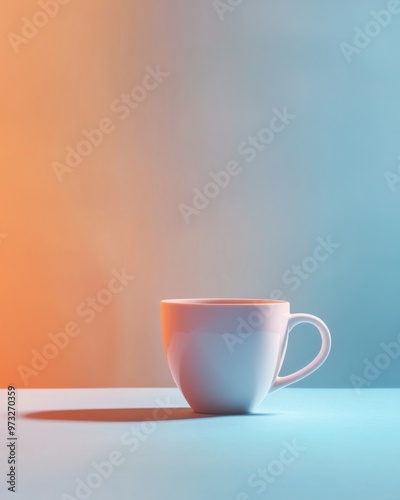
{"x":225,"y":354}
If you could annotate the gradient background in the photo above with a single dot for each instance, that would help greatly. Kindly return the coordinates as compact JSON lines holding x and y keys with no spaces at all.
{"x":323,"y":175}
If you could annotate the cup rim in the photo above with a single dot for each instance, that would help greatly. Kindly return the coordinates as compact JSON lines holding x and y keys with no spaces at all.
{"x":230,"y":302}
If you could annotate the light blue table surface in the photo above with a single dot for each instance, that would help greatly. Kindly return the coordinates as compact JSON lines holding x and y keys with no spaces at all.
{"x":308,"y":444}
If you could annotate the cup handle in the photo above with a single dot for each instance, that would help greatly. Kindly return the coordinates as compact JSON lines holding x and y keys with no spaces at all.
{"x":294,"y":320}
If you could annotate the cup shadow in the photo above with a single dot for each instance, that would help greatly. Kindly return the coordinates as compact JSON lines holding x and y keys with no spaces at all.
{"x":125,"y":414}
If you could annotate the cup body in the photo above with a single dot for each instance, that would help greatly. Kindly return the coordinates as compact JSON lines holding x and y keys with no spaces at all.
{"x":224,"y":354}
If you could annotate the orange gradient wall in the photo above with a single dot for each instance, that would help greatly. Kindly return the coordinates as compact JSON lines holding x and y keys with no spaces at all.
{"x":66,"y":231}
